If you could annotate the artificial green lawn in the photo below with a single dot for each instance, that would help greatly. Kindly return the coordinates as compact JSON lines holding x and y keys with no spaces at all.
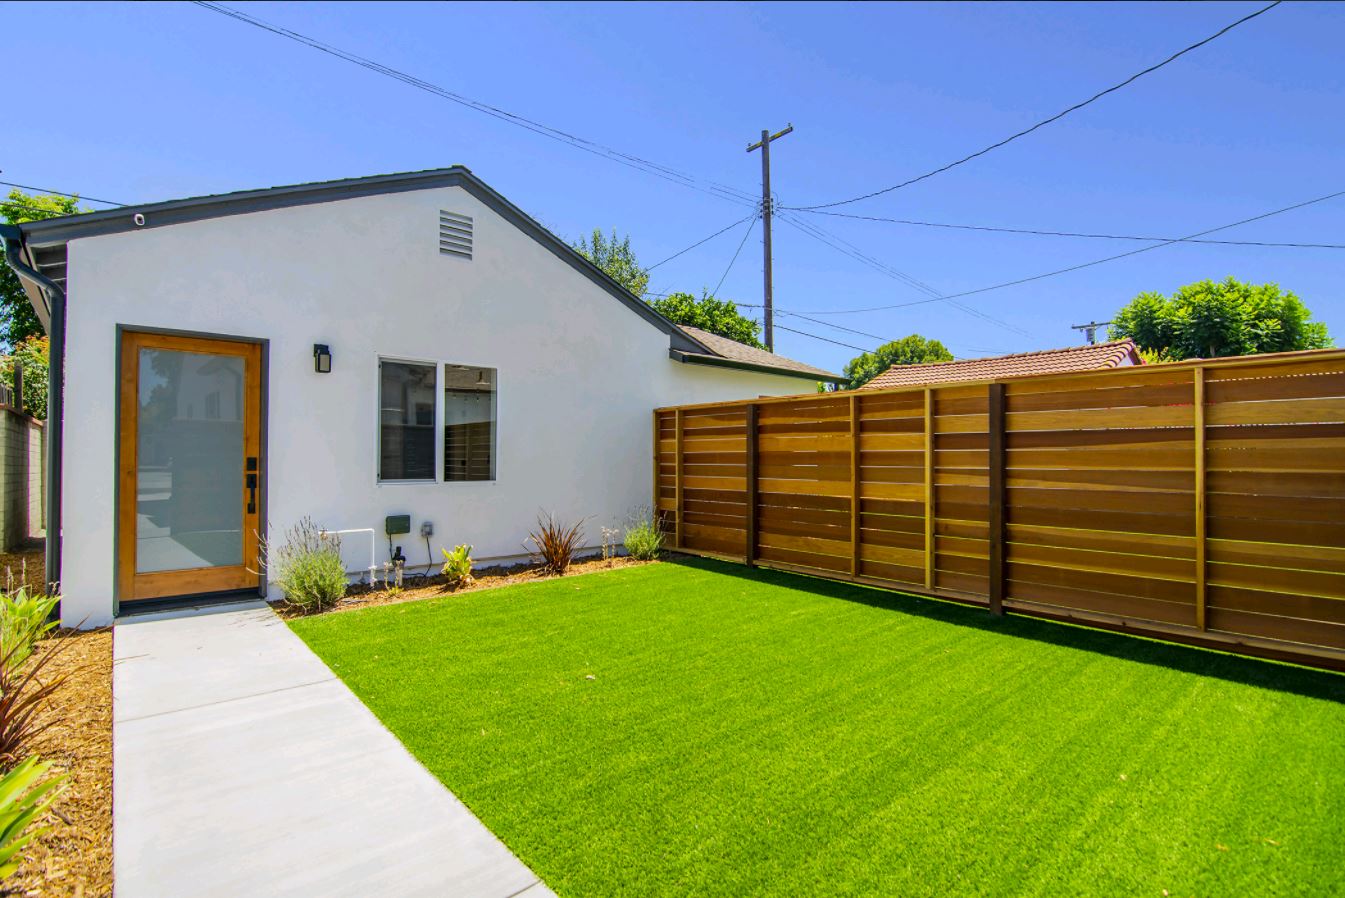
{"x":703,"y":728}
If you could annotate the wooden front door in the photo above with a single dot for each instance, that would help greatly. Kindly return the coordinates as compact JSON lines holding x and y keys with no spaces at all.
{"x":189,"y":478}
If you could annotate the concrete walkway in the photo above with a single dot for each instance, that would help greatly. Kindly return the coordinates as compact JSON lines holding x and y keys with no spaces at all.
{"x":242,"y":766}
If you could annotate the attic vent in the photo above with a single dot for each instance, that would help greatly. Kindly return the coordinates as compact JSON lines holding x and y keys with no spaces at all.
{"x":455,"y":234}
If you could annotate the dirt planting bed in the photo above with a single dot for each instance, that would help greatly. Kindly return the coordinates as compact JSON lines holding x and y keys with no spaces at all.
{"x":485,"y":578}
{"x":74,"y":858}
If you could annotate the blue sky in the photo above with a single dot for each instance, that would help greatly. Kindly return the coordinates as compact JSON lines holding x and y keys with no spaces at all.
{"x":142,"y":102}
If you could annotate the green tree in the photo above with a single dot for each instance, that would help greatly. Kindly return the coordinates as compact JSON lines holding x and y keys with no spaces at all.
{"x":34,"y":354}
{"x":912,"y":350}
{"x":1208,"y":320}
{"x":18,"y":321}
{"x":718,"y":316}
{"x":616,"y":258}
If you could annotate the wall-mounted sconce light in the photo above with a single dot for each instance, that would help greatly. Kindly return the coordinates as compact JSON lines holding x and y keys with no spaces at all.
{"x":322,"y":358}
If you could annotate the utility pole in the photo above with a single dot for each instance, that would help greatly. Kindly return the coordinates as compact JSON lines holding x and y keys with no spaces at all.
{"x":765,"y":146}
{"x":1090,"y":329}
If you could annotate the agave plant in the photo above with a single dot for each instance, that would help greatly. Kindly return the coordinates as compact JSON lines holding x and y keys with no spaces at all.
{"x":24,"y":797}
{"x":555,"y":542}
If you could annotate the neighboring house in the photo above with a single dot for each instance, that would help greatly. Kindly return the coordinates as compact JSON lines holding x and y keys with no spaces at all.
{"x":407,"y":344}
{"x":1117,"y":354}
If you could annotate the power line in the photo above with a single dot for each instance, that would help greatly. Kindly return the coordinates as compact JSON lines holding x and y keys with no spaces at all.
{"x":73,"y":196}
{"x":702,"y":240}
{"x":1043,"y":233}
{"x":731,"y":194}
{"x":1133,"y":252}
{"x":817,"y":233}
{"x":750,"y":226}
{"x":823,"y":339}
{"x":1044,"y":122}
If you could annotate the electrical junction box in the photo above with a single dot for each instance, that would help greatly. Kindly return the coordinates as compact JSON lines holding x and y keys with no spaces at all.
{"x":397,"y":523}
{"x":426,"y":529}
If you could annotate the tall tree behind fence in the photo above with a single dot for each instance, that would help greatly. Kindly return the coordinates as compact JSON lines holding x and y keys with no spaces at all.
{"x":1200,"y":502}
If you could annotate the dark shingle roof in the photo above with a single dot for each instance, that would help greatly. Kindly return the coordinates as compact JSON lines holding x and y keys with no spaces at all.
{"x":1047,"y":361}
{"x":750,"y":355}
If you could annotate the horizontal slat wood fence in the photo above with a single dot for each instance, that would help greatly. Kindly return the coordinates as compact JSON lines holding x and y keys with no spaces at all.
{"x":1201,"y":502}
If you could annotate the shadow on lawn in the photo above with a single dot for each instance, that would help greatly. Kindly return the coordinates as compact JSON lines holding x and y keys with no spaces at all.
{"x":1204,"y":662}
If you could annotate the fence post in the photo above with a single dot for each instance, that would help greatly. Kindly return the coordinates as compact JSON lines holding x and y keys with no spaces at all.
{"x":18,"y":386}
{"x":855,"y":463}
{"x":653,"y":508}
{"x":1199,"y":379}
{"x":929,"y":488}
{"x":677,"y":476}
{"x":750,"y":550}
{"x":995,"y":424}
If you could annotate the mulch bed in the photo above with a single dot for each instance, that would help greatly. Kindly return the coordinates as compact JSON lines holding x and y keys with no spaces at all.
{"x":26,"y":568}
{"x":75,"y":858}
{"x":436,"y":586}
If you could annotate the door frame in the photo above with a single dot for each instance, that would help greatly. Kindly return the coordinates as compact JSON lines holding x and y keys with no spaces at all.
{"x":197,"y":583}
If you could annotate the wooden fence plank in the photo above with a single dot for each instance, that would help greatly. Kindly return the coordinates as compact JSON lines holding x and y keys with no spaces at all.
{"x":750,"y":547}
{"x":678,"y":539}
{"x":856,"y":461}
{"x":1201,"y":567}
{"x":995,"y":424}
{"x":929,"y":488}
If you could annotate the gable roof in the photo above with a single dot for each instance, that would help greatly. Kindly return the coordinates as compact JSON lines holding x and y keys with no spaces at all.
{"x":731,"y":351}
{"x":45,"y":245}
{"x":45,"y":241}
{"x":1047,"y":361}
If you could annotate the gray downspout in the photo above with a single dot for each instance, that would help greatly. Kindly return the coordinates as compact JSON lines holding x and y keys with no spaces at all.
{"x":13,"y":238}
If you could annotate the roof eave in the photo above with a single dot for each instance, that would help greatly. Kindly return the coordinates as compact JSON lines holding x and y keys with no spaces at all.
{"x":716,"y":361}
{"x":54,"y":232}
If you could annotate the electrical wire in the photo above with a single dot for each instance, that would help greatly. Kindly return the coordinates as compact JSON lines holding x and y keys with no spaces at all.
{"x":821,"y":235}
{"x":1044,"y":122}
{"x":1133,"y":252}
{"x":723,"y":191}
{"x":823,"y":339}
{"x":46,"y":212}
{"x":73,"y":196}
{"x":1043,"y":233}
{"x":699,"y":242}
{"x":750,"y":225}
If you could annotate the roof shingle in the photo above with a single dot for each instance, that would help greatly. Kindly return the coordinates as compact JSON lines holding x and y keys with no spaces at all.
{"x":1047,"y":361}
{"x":739,"y":352}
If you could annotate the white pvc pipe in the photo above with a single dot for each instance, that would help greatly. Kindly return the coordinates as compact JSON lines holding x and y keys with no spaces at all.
{"x":373,"y":549}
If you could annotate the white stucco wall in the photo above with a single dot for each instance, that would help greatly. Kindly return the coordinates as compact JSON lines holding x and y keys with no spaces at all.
{"x":579,"y":373}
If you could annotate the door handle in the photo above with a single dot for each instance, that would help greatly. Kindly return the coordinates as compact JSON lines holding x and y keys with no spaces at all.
{"x":251,"y":481}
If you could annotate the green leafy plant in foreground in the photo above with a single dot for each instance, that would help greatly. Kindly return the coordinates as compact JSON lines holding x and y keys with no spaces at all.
{"x":24,"y":797}
{"x":644,"y":539}
{"x":24,"y":619}
{"x":308,"y":566}
{"x":458,"y":566}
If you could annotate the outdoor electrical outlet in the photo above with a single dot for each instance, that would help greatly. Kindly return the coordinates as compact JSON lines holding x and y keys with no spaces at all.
{"x":426,"y":529}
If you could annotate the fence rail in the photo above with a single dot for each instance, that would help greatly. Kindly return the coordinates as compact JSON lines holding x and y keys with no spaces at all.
{"x":1200,"y":502}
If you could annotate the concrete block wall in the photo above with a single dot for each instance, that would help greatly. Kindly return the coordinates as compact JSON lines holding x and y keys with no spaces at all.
{"x":22,"y":481}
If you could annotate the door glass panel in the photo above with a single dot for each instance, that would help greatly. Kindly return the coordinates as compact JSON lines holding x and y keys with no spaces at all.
{"x":189,"y":461}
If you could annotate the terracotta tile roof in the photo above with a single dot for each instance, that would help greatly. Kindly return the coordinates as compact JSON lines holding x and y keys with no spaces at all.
{"x":1047,"y":361}
{"x":737,"y":352}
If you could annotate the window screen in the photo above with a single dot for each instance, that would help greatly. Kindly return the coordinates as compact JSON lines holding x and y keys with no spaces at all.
{"x":469,"y":423}
{"x":406,"y":421}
